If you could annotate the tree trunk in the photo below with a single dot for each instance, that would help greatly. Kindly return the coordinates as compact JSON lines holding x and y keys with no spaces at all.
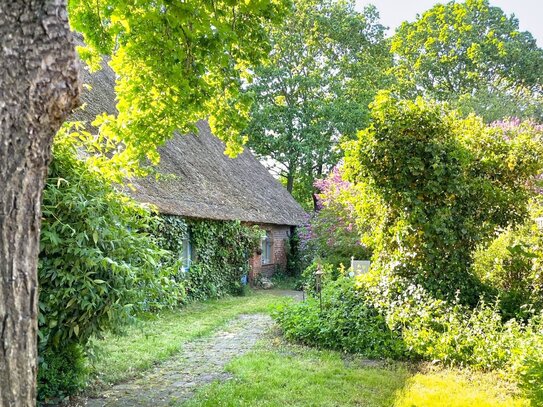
{"x":315,"y":189}
{"x":290,"y":181}
{"x":38,"y":88}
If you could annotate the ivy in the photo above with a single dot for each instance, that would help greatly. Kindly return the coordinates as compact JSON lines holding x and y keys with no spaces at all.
{"x":99,"y":264}
{"x":221,"y":252}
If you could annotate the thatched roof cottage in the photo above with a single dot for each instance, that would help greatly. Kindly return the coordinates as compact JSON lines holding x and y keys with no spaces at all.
{"x":209,"y":185}
{"x":206,"y":184}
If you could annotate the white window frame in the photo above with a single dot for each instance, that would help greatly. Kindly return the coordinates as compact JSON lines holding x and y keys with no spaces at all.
{"x":186,"y":253}
{"x":266,"y":244}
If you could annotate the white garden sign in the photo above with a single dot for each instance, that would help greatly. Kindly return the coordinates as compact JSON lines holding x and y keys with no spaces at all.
{"x":359,"y":267}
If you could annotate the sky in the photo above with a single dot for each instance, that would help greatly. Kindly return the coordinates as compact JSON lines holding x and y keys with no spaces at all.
{"x":394,"y":12}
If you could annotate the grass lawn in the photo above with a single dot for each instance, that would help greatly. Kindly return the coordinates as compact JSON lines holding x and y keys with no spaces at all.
{"x":277,"y":374}
{"x":158,"y":337}
{"x":294,"y":376}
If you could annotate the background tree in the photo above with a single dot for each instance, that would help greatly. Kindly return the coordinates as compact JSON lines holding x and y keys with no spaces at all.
{"x":175,"y":63}
{"x":326,"y":64}
{"x":474,"y":55}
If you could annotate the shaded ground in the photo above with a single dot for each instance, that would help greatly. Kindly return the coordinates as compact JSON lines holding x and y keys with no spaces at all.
{"x":200,"y":362}
{"x":296,"y":295}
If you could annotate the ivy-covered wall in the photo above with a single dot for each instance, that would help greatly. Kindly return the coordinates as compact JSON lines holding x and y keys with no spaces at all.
{"x":220,"y":253}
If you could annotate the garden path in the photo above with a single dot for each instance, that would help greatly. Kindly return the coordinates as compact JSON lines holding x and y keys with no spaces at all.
{"x":200,"y":362}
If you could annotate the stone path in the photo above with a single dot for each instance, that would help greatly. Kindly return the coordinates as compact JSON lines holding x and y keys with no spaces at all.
{"x":200,"y":362}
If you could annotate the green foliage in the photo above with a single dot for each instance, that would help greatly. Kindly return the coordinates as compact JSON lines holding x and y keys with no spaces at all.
{"x":430,"y":189}
{"x":98,"y":265}
{"x":171,"y":232}
{"x":221,"y":253}
{"x":435,"y":186}
{"x":333,"y":233}
{"x":295,"y":258}
{"x":326,"y":64}
{"x":393,"y":318}
{"x":176,"y":62}
{"x":453,"y":334}
{"x":511,"y":264}
{"x":346,"y":322}
{"x":474,"y":55}
{"x":61,"y":373}
{"x":329,"y":274}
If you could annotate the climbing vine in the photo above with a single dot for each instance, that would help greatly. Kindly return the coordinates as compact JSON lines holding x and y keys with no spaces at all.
{"x":220,"y":253}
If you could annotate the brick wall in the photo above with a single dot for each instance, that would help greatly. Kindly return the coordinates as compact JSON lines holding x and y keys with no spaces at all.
{"x":279,"y":236}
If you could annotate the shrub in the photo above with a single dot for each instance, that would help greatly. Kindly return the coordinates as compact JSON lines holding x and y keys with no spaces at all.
{"x":332,"y":233}
{"x":441,"y":185}
{"x":62,"y":372}
{"x":430,"y":188}
{"x":295,"y":257}
{"x":346,"y":322}
{"x":309,"y":281}
{"x":404,"y":321}
{"x":98,"y":264}
{"x":511,"y":265}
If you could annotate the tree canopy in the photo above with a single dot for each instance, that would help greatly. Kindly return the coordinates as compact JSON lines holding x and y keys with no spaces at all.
{"x":473,"y":54}
{"x":176,"y":63}
{"x":326,"y":64}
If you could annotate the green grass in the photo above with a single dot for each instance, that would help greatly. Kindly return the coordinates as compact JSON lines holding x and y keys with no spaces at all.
{"x":286,"y":375}
{"x":277,"y":374}
{"x":295,"y":376}
{"x":456,"y":388}
{"x":157,"y":338}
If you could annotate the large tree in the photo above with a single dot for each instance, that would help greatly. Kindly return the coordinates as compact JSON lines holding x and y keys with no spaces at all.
{"x":327,"y":62}
{"x":176,"y":62}
{"x":473,"y":55}
{"x":38,"y":88}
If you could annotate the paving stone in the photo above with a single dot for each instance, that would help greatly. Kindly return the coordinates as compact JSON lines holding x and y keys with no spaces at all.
{"x":200,"y":362}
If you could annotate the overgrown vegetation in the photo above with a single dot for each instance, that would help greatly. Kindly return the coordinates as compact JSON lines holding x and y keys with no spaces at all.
{"x":105,"y":259}
{"x":437,"y":198}
{"x":433,"y":190}
{"x":511,"y":265}
{"x":343,"y":319}
{"x":220,"y":253}
{"x":435,"y":186}
{"x":99,"y":266}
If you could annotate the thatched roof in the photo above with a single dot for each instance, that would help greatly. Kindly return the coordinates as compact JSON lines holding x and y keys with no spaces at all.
{"x":205,"y":183}
{"x":208,"y":184}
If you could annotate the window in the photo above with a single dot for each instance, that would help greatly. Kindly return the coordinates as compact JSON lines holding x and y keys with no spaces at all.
{"x":186,"y":255}
{"x":266,"y":248}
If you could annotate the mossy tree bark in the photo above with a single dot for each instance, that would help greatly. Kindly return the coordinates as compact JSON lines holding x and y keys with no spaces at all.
{"x":38,"y":88}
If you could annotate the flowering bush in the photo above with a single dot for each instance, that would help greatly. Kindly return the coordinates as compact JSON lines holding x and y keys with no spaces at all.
{"x":332,"y":233}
